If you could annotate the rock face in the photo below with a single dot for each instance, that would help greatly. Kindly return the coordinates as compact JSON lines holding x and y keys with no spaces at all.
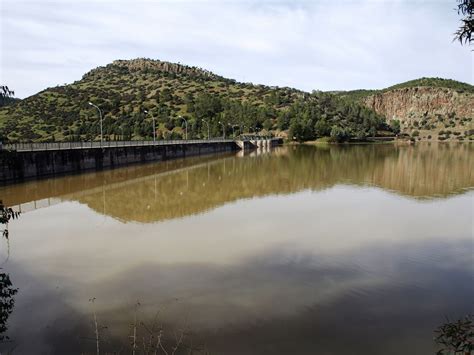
{"x":155,"y":66}
{"x":411,"y":103}
{"x":426,"y":110}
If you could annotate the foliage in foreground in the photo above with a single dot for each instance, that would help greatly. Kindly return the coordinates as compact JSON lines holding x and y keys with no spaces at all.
{"x":456,"y":337}
{"x":6,"y":214}
{"x":7,"y":291}
{"x":465,"y":31}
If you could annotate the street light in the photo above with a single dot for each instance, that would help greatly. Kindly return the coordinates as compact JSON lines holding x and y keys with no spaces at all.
{"x":223,"y":129}
{"x":100,"y":114}
{"x":235,"y":125}
{"x":233,"y":130}
{"x":186,"y":129}
{"x":154,"y":130}
{"x":208,"y":130}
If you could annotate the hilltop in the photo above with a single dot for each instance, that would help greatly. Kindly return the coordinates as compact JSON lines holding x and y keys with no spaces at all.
{"x":124,"y":89}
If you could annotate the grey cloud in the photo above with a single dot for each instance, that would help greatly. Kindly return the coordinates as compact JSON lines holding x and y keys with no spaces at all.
{"x":304,"y":44}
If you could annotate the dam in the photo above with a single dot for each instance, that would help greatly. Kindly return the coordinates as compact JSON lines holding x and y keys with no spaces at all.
{"x":23,"y":161}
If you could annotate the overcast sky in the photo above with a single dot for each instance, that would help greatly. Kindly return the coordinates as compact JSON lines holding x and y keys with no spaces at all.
{"x":325,"y":45}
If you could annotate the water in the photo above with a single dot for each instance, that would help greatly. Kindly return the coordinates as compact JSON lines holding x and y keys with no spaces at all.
{"x":301,"y":250}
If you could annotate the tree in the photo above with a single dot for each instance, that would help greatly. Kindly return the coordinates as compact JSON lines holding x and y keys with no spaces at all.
{"x":321,"y":128}
{"x":464,"y":33}
{"x":339,"y":134}
{"x":395,"y":126}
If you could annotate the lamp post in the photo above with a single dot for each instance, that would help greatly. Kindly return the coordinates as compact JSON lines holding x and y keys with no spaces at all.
{"x":154,"y":130}
{"x":223,"y":129}
{"x":100,"y":115}
{"x":208,"y":130}
{"x":233,"y":128}
{"x":236,"y":125}
{"x":186,"y":125}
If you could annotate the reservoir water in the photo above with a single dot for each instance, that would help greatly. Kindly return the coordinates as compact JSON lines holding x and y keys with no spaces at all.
{"x":362,"y":249}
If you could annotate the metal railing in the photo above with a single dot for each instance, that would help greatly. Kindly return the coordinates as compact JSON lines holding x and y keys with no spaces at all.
{"x":23,"y":147}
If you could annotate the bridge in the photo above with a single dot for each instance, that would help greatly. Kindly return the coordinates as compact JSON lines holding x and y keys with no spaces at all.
{"x":20,"y":161}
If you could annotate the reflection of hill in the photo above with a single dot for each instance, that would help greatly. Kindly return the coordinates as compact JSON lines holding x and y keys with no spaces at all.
{"x":145,"y":194}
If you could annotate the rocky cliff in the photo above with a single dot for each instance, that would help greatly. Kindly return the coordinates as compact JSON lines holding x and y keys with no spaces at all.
{"x":427,"y":112}
{"x":142,"y":65}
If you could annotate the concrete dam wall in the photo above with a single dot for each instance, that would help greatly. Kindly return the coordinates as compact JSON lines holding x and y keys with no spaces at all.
{"x":34,"y":162}
{"x":22,"y":165}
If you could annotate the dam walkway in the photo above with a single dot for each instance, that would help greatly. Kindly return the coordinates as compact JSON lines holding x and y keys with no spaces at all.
{"x":35,"y":147}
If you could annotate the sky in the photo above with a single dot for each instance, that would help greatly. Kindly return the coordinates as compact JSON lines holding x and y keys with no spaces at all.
{"x":309,"y":45}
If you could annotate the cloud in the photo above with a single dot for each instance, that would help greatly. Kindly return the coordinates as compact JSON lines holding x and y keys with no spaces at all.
{"x":305,"y":44}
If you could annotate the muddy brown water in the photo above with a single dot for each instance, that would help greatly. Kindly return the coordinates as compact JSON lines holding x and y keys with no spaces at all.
{"x":298,"y":250}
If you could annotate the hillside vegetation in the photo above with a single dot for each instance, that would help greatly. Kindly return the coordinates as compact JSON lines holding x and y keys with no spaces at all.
{"x":124,"y":89}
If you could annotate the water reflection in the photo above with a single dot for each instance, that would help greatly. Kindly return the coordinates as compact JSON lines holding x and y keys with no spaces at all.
{"x":326,"y":261}
{"x":179,"y":188}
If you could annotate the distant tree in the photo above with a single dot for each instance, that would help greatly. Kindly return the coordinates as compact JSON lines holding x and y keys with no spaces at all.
{"x":339,"y":134}
{"x":321,"y":128}
{"x":395,"y":126}
{"x":464,"y":33}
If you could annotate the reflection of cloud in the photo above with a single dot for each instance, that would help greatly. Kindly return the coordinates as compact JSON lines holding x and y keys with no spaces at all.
{"x":382,"y":297}
{"x":330,"y":221}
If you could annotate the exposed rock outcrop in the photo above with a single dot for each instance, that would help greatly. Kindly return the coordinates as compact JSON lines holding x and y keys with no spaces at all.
{"x":155,"y":66}
{"x":427,"y":111}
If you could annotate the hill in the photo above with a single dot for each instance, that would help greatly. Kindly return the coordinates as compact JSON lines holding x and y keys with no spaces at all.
{"x":424,"y":109}
{"x":124,"y":89}
{"x":457,"y":86}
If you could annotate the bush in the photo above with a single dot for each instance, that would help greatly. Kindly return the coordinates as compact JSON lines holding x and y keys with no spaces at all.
{"x":339,"y":134}
{"x":415,"y":134}
{"x":395,"y":126}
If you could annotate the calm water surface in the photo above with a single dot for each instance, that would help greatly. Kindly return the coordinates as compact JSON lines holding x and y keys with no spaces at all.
{"x":299,"y":250}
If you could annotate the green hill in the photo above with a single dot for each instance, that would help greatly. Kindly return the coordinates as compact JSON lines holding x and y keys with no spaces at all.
{"x":460,"y":87}
{"x":124,"y":89}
